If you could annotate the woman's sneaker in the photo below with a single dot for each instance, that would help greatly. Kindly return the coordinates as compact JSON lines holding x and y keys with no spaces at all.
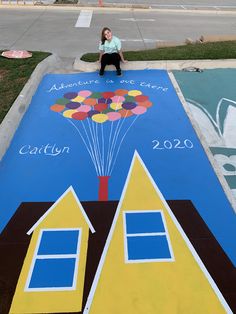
{"x":118,"y":72}
{"x":101,"y":72}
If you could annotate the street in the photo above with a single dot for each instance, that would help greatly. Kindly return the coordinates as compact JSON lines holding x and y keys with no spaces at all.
{"x":54,"y":29}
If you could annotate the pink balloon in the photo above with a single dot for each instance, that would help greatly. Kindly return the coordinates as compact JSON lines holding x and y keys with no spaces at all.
{"x":113,"y":116}
{"x":85,"y":93}
{"x":84,"y":108}
{"x":118,"y":99}
{"x":139,"y":110}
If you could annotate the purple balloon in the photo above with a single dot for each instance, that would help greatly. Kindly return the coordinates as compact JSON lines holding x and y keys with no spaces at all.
{"x":71,"y":95}
{"x":102,"y":101}
{"x":108,"y":101}
{"x":129,"y":105}
{"x":105,"y":101}
{"x":92,"y":112}
{"x":73,"y":105}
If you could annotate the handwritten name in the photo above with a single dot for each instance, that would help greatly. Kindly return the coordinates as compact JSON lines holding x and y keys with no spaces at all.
{"x":48,"y":150}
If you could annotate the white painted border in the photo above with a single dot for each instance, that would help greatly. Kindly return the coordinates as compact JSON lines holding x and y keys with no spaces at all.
{"x":166,"y":234}
{"x":191,"y":248}
{"x":70,"y":189}
{"x":58,"y":256}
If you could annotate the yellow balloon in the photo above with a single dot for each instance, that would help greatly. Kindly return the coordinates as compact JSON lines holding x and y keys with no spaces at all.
{"x":78,"y":99}
{"x":100,"y":118}
{"x":116,"y":106}
{"x":134,"y":92}
{"x":68,"y":113}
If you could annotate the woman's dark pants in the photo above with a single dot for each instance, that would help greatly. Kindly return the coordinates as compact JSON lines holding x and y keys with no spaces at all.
{"x":110,"y":58}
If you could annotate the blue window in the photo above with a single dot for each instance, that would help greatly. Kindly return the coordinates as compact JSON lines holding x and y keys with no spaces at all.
{"x":146,"y":237}
{"x":56,"y":260}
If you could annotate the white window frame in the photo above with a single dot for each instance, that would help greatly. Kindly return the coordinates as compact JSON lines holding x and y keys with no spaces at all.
{"x":166,"y":234}
{"x":59,"y":256}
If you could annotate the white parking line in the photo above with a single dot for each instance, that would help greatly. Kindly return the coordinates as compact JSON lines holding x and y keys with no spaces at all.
{"x":84,"y":18}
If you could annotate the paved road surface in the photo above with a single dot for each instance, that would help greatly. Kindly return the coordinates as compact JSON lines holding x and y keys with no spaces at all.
{"x":53,"y":29}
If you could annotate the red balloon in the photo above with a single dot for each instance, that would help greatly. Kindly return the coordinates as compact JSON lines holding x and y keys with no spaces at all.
{"x":79,"y":115}
{"x":141,"y":98}
{"x":100,"y":107}
{"x":107,"y":95}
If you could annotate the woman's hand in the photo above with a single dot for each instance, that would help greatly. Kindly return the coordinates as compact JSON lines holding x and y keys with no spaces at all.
{"x":124,"y":61}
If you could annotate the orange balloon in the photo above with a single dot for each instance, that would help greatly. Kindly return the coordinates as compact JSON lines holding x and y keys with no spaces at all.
{"x":57,"y":108}
{"x":90,"y":101}
{"x":146,"y":104}
{"x":121,"y":92}
{"x":125,"y":113}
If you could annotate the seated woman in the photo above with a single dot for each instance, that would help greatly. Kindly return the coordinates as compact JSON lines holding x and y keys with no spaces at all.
{"x":110,"y":51}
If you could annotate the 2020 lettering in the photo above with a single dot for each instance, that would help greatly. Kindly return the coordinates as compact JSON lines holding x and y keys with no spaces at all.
{"x":173,"y":144}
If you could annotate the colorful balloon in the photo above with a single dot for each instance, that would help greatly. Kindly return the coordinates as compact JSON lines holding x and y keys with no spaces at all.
{"x":78,"y":99}
{"x":90,"y":101}
{"x":113,"y":116}
{"x":72,"y":105}
{"x":139,"y":110}
{"x":125,"y":113}
{"x":79,"y":115}
{"x":100,"y":107}
{"x":146,"y":104}
{"x":116,"y":106}
{"x":69,"y":113}
{"x":57,"y":108}
{"x":100,"y":118}
{"x":129,"y":105}
{"x":141,"y":98}
{"x":92,"y":112}
{"x":118,"y":99}
{"x":108,"y":95}
{"x":134,"y":93}
{"x":84,"y":108}
{"x":70,"y":95}
{"x":61,"y":101}
{"x":85,"y":93}
{"x":121,"y":92}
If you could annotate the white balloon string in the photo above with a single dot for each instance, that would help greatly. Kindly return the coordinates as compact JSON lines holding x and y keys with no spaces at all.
{"x":96,"y":146}
{"x":112,"y":167}
{"x":93,"y":141}
{"x":84,"y":144}
{"x":108,"y":149}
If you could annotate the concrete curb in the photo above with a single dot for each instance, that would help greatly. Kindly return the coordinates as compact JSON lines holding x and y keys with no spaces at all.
{"x":13,"y":118}
{"x":168,"y":65}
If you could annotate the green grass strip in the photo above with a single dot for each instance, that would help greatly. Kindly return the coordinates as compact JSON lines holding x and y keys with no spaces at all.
{"x":14,"y":73}
{"x":213,"y":51}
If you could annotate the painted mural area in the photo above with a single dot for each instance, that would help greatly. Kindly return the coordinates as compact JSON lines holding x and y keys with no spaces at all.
{"x":211,"y":95}
{"x":108,"y":204}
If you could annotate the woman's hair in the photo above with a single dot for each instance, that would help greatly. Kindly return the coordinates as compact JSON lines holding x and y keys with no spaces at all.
{"x":103,"y":38}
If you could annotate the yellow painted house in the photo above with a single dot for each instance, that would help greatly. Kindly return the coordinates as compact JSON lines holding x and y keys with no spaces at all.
{"x":148,"y":265}
{"x":52,"y":276}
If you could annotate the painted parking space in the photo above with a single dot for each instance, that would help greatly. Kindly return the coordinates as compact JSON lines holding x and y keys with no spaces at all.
{"x":211,"y":97}
{"x":106,"y":180}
